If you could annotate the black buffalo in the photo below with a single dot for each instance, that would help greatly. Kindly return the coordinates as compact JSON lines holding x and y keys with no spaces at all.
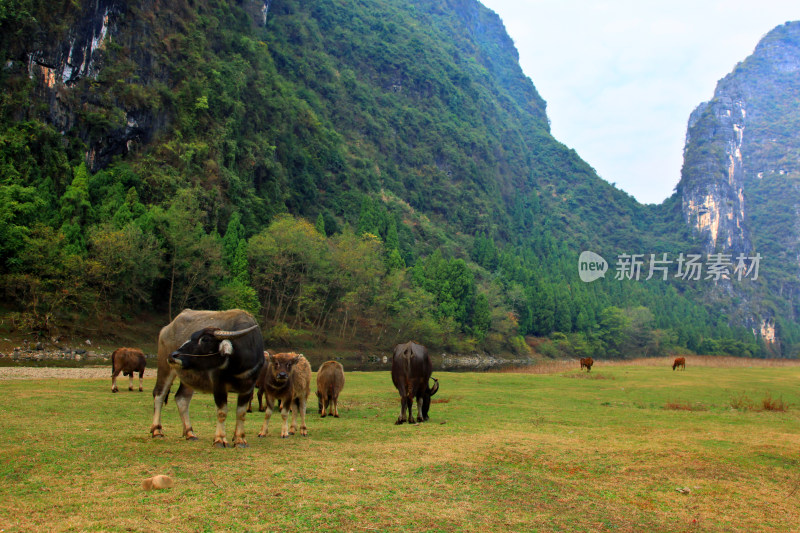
{"x":210,"y":351}
{"x":411,"y":373}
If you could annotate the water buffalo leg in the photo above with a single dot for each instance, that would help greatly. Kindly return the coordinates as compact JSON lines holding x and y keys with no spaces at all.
{"x":160,"y":392}
{"x":261,"y":395}
{"x":403,"y":401}
{"x":141,"y":380}
{"x":267,"y":415}
{"x":426,"y":406}
{"x":285,"y":419}
{"x":221,"y":400}
{"x":419,"y":408}
{"x":130,"y":381}
{"x":114,"y":375}
{"x":336,"y":407}
{"x":293,"y":411}
{"x":241,"y":409}
{"x":300,"y":404}
{"x":182,"y":398}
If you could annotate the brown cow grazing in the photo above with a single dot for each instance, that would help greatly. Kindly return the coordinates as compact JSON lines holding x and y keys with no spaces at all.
{"x":210,"y":351}
{"x":411,"y":373}
{"x":587,"y":362}
{"x":679,"y":362}
{"x":330,"y":380}
{"x":127,"y":361}
{"x":288,"y":379}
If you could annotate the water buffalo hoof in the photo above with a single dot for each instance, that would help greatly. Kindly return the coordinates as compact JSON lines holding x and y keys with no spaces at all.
{"x":141,"y":389}
{"x":158,"y":435}
{"x":130,"y":388}
{"x":335,"y":416}
{"x":192,"y":437}
{"x":114,"y":390}
{"x":220,"y":444}
{"x":242,"y":444}
{"x":323,"y":415}
{"x":399,"y":421}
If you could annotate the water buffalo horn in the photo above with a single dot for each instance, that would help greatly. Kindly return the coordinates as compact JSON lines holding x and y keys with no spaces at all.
{"x":435,"y":386}
{"x":221,"y":334}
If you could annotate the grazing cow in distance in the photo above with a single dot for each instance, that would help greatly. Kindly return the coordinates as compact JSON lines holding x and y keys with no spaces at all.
{"x":411,"y":374}
{"x":587,"y":362}
{"x":209,"y":351}
{"x":288,"y":379}
{"x":330,"y":381}
{"x":127,"y":361}
{"x":679,"y":362}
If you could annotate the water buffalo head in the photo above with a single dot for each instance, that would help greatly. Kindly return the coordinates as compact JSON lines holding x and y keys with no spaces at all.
{"x":281,"y":366}
{"x":206,"y":349}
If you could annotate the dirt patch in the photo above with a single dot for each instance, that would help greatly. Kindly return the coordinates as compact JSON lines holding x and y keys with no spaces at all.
{"x":25,"y":372}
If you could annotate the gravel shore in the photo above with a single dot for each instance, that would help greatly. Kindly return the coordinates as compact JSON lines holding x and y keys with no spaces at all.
{"x":21,"y":372}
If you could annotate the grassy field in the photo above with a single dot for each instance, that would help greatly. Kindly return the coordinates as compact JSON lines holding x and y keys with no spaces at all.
{"x":563,"y":451}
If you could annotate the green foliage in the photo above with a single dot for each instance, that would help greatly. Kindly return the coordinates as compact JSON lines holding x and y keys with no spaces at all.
{"x":444,"y":208}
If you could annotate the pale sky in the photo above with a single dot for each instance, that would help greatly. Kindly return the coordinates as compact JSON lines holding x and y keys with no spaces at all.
{"x":621,"y":77}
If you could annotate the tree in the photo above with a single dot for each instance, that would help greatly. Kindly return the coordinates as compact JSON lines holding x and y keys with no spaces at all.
{"x":234,"y":234}
{"x":194,"y":258}
{"x":284,"y":259}
{"x":76,"y":210}
{"x":123,"y":264}
{"x":18,"y":208}
{"x":320,"y":225}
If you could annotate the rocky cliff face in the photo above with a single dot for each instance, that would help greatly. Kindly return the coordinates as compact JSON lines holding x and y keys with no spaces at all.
{"x":66,"y":64}
{"x":712,"y":189}
{"x":740,"y":184}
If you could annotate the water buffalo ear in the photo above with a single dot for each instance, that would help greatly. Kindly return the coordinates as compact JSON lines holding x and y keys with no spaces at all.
{"x":226,"y":347}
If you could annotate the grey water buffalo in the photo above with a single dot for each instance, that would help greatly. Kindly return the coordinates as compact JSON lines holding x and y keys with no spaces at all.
{"x":209,"y":351}
{"x":288,"y":379}
{"x":330,"y":381}
{"x":411,"y":374}
{"x":127,"y":361}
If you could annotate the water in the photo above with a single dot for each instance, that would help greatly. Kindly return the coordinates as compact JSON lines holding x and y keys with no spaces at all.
{"x":358,"y":361}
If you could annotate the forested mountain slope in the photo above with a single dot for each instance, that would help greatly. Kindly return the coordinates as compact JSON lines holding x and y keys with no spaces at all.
{"x":370,"y":171}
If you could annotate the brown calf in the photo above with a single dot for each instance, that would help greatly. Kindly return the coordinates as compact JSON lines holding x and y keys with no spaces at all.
{"x":127,"y":361}
{"x":679,"y":362}
{"x":330,"y":380}
{"x":587,"y":362}
{"x":288,"y":379}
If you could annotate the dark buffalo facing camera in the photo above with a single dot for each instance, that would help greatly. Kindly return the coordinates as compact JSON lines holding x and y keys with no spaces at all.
{"x":209,"y":351}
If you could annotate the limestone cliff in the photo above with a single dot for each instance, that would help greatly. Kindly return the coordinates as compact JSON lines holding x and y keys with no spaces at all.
{"x":114,"y":112}
{"x":712,"y":189}
{"x":740,"y":183}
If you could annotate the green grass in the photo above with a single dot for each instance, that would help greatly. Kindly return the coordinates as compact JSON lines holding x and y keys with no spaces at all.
{"x":502,"y":452}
